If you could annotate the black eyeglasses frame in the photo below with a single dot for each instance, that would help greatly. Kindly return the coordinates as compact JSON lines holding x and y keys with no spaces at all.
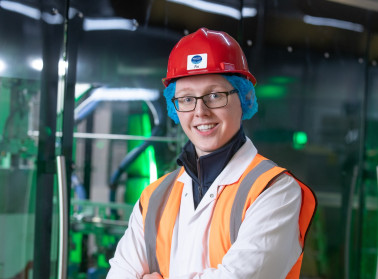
{"x":201,"y":97}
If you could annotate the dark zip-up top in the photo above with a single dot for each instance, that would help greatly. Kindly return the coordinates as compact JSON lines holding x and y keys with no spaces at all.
{"x":205,"y":169}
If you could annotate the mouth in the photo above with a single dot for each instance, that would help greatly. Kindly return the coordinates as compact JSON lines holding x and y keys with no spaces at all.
{"x":205,"y":127}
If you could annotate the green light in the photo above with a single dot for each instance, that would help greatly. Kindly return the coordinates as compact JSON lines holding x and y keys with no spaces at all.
{"x":150,"y":152}
{"x":281,"y":79}
{"x":270,"y":91}
{"x":153,"y":168}
{"x":75,"y":251}
{"x":143,"y":170}
{"x":299,"y":139}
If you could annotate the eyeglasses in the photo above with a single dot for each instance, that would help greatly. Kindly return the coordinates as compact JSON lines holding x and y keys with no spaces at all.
{"x":212,"y":100}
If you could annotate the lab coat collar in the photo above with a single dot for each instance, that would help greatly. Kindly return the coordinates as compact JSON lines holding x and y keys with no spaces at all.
{"x":234,"y":169}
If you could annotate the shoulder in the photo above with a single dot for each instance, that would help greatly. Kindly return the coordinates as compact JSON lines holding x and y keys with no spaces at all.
{"x":283,"y":190}
{"x":286,"y":182}
{"x":280,"y":179}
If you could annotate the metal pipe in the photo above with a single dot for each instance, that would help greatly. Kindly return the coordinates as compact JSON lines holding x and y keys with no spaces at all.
{"x":112,"y":137}
{"x":63,"y":218}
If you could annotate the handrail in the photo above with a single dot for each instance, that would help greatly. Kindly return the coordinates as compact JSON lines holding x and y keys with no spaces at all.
{"x":79,"y":135}
{"x":63,"y":218}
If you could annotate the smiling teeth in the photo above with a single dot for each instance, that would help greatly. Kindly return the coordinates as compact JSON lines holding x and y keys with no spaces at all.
{"x":205,"y":127}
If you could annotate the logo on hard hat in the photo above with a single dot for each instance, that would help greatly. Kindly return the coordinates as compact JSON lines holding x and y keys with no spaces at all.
{"x":197,"y":61}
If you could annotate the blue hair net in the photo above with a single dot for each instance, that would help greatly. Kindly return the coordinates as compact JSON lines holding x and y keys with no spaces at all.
{"x":247,"y":95}
{"x":246,"y":92}
{"x":169,"y":93}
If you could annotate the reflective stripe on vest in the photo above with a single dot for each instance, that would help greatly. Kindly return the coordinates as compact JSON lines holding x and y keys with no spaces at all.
{"x":156,"y":206}
{"x":229,"y":212}
{"x":241,"y":196}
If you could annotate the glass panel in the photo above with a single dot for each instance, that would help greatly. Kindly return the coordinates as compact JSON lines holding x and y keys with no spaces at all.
{"x":27,"y":139}
{"x":369,"y":230}
{"x":312,"y":89}
{"x":19,"y":113}
{"x":17,"y":174}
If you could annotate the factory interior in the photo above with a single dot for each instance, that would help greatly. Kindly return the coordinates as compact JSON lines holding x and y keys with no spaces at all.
{"x":84,"y":125}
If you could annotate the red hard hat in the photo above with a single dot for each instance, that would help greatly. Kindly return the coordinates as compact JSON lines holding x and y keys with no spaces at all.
{"x":207,"y":52}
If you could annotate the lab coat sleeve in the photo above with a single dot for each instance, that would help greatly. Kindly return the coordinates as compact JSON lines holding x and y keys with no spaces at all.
{"x":130,"y":259}
{"x":267,"y":245}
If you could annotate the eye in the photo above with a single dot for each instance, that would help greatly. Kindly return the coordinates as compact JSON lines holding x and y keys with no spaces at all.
{"x":186,"y":100}
{"x":215,"y":96}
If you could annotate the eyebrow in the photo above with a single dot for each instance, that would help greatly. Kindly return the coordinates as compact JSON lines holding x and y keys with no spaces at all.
{"x":209,"y":89}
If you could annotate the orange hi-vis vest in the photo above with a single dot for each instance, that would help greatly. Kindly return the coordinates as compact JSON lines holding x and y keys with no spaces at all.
{"x":162,"y":201}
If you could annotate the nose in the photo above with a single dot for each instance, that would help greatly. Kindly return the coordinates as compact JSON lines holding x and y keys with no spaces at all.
{"x":201,"y":108}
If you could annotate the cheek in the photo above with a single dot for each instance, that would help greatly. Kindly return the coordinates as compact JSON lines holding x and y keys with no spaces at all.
{"x":184,"y":119}
{"x":236,"y":120}
{"x":180,"y":117}
{"x":236,"y":113}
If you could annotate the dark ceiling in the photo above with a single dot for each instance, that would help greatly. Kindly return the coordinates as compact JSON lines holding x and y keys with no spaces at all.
{"x":141,"y":55}
{"x":276,"y":22}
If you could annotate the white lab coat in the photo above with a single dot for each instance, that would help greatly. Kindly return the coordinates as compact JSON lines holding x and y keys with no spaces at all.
{"x":267,"y":245}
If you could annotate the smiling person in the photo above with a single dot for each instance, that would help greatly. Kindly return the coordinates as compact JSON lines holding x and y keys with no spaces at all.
{"x":227,"y":211}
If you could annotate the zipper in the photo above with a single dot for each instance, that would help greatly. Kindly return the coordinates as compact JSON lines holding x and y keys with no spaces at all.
{"x":200,"y":180}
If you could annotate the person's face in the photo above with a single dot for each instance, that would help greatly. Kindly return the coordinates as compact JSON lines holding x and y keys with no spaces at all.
{"x":208,"y":129}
